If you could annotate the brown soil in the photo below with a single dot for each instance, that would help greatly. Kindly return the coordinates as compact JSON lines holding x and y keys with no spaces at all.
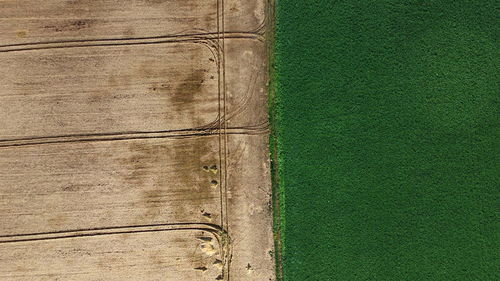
{"x":134,"y":141}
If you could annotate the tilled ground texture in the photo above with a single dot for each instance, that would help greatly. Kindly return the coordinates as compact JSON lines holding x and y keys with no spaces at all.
{"x":134,"y":140}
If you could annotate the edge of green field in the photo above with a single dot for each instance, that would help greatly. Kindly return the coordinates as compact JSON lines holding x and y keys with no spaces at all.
{"x":273,"y":104}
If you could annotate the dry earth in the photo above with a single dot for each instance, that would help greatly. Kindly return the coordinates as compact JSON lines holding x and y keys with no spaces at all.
{"x":133,"y":140}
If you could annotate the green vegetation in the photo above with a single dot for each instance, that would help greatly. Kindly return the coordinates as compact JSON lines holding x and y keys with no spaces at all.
{"x":387,"y":129}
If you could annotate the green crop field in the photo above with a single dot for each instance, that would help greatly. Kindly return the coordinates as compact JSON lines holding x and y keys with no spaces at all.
{"x":386,"y":123}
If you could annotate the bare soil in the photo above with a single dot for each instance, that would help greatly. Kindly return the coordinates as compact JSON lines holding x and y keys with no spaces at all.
{"x":134,"y":141}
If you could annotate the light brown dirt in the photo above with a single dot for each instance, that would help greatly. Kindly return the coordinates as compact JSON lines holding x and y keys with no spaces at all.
{"x":133,"y":140}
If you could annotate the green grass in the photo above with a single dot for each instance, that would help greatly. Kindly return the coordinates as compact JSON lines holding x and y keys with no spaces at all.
{"x":387,"y":129}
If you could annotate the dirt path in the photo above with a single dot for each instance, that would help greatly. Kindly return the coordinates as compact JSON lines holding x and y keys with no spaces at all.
{"x":134,"y":141}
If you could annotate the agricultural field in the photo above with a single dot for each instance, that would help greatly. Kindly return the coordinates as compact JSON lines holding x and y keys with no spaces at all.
{"x":387,"y":139}
{"x":253,"y":140}
{"x":134,"y":141}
